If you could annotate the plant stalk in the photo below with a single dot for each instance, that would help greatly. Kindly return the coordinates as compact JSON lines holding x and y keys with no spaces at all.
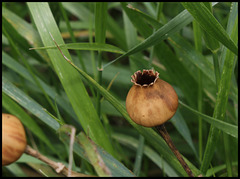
{"x":57,"y":166}
{"x":163,"y":132}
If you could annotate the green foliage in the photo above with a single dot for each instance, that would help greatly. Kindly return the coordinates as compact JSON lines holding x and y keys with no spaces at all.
{"x":46,"y":91}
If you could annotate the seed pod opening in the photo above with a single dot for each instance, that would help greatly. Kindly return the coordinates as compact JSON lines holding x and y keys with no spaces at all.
{"x":150,"y":101}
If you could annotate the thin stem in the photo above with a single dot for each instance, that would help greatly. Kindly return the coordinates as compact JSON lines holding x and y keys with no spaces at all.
{"x":57,"y":166}
{"x":163,"y":132}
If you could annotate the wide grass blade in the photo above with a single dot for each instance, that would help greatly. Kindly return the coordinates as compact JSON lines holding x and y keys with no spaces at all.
{"x":69,"y":78}
{"x":93,"y":155}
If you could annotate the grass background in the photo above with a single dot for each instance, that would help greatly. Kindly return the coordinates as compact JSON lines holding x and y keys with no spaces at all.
{"x":191,"y":45}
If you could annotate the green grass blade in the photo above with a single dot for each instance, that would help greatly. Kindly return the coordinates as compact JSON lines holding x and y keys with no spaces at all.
{"x":22,"y":71}
{"x":209,"y":23}
{"x":85,"y":14}
{"x":183,"y":129}
{"x":31,"y":124}
{"x":100,"y":35}
{"x":69,"y":78}
{"x":131,"y":142}
{"x":211,"y":42}
{"x":216,"y":122}
{"x":93,"y":155}
{"x":230,"y":150}
{"x":138,"y":158}
{"x":221,"y":102}
{"x":25,"y":101}
{"x":198,"y":46}
{"x":24,"y":29}
{"x":161,"y":34}
{"x":193,"y":56}
{"x":71,"y":33}
{"x":116,"y":168}
{"x":100,"y":21}
{"x":85,"y":46}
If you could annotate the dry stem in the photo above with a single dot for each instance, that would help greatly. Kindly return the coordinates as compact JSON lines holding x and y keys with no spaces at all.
{"x":57,"y":166}
{"x":163,"y":132}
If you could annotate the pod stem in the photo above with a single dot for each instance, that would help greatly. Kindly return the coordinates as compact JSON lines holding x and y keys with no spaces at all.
{"x":163,"y":132}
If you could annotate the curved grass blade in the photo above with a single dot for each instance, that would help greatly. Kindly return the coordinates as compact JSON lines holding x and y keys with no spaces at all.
{"x":223,"y":126}
{"x":209,"y":23}
{"x":173,"y":26}
{"x":161,"y":34}
{"x":85,"y":46}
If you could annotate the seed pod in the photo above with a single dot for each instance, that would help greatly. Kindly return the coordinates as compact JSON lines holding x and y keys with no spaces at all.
{"x":13,"y":139}
{"x":150,"y":101}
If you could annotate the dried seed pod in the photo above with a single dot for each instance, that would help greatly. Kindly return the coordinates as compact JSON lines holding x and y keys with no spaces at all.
{"x":13,"y":139}
{"x":150,"y":101}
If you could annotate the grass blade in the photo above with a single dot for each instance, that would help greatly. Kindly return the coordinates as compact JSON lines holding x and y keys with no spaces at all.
{"x":209,"y":23}
{"x":116,"y":168}
{"x":85,"y":46}
{"x":31,"y":124}
{"x":100,"y":35}
{"x":221,"y":102}
{"x":94,"y":156}
{"x":131,"y":142}
{"x":69,"y":78}
{"x":12,"y":91}
{"x":161,"y":34}
{"x":216,"y":122}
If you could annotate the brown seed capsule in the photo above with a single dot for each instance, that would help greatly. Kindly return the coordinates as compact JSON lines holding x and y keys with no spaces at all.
{"x":150,"y":101}
{"x":13,"y":139}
